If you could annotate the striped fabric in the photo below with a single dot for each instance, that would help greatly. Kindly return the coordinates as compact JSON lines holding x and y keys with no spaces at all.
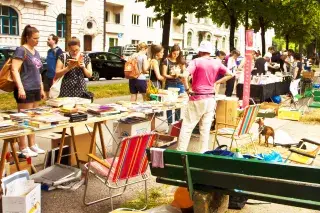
{"x":133,"y":158}
{"x":103,"y":171}
{"x":249,"y":115}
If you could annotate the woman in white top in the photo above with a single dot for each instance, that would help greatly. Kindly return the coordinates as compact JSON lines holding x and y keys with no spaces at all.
{"x":232,"y":66}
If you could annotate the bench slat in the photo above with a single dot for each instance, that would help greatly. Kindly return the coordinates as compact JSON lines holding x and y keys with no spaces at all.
{"x":227,"y":181}
{"x":242,"y":166}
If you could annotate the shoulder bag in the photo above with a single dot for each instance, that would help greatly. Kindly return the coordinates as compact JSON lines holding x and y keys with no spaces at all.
{"x":56,"y":86}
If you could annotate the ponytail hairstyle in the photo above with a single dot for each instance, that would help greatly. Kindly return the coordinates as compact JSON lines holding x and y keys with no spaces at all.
{"x":27,"y":33}
{"x":155,"y":49}
{"x":180,"y":59}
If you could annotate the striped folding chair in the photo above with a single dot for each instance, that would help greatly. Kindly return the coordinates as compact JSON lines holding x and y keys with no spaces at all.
{"x":240,"y":131}
{"x":118,"y":172}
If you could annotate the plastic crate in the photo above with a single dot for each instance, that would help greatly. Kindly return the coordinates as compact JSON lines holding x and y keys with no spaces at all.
{"x":289,"y":114}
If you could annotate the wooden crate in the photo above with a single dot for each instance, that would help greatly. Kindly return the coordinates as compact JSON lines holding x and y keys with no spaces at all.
{"x":289,"y":114}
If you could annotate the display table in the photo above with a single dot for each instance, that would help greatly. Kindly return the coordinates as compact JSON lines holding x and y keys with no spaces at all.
{"x":266,"y":91}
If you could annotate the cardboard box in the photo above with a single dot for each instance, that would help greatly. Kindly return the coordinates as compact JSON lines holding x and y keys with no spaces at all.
{"x":122,"y":130}
{"x":83,"y":140}
{"x":227,"y":112}
{"x":28,"y":201}
{"x":289,"y":114}
{"x":165,"y":141}
{"x":23,"y":166}
{"x":270,"y":105}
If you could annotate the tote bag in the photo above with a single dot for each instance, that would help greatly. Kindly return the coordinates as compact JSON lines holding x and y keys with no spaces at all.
{"x":56,"y":86}
{"x":6,"y":80}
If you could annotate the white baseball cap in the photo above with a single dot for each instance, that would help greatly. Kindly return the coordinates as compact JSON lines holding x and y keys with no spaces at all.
{"x":206,"y":47}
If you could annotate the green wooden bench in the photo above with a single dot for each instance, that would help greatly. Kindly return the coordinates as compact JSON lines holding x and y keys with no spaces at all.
{"x":286,"y":184}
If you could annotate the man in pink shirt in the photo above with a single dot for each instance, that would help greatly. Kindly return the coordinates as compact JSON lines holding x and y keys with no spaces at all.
{"x":202,"y":103}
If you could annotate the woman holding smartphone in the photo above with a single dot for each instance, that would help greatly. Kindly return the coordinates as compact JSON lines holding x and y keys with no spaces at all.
{"x":75,"y":67}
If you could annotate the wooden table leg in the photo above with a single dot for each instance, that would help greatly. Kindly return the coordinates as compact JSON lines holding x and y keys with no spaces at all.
{"x":74,"y":151}
{"x":93,"y":138}
{"x":3,"y":157}
{"x":152,"y":118}
{"x":104,"y":153}
{"x":61,"y":144}
{"x":14,"y":154}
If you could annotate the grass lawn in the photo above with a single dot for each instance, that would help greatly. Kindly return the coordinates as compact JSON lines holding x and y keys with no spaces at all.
{"x":7,"y":101}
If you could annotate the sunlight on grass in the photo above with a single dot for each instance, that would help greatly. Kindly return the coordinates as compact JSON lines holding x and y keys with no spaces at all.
{"x":312,"y":117}
{"x":7,"y":101}
{"x":156,"y":196}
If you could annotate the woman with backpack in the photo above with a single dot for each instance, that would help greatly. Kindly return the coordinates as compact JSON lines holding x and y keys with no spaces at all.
{"x":29,"y":87}
{"x":172,"y":69}
{"x":139,"y":84}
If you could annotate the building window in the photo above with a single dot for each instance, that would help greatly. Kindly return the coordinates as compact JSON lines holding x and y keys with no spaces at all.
{"x":135,"y":42}
{"x":149,"y":42}
{"x":235,"y":42}
{"x":117,"y":18}
{"x":113,"y":42}
{"x":198,"y":20}
{"x":161,"y":24}
{"x":208,"y":37}
{"x":135,"y":19}
{"x":150,"y":22}
{"x":8,"y":21}
{"x":107,"y":16}
{"x":61,"y":26}
{"x":189,"y":39}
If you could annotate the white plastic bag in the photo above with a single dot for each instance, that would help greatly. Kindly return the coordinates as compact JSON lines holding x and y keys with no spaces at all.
{"x":56,"y":86}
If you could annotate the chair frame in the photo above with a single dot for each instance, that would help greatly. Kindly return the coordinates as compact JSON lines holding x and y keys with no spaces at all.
{"x":118,"y":184}
{"x":235,"y":135}
{"x":311,"y":154}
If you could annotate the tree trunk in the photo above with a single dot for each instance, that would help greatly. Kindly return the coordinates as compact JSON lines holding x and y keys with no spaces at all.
{"x":68,"y":22}
{"x":166,"y":32}
{"x":233,"y":23}
{"x":263,"y":34}
{"x":300,"y":47}
{"x":287,"y":41}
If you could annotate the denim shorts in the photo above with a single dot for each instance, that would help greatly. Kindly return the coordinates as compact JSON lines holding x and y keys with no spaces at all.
{"x":137,"y":86}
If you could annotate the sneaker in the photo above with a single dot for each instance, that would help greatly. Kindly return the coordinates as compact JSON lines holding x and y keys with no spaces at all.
{"x":36,"y":149}
{"x":28,"y":152}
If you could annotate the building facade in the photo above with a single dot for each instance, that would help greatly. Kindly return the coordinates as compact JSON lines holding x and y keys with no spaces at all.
{"x":127,"y":22}
{"x":48,"y":16}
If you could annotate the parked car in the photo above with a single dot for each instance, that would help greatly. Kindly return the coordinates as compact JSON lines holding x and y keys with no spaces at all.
{"x":5,"y":53}
{"x":118,"y":50}
{"x":106,"y":65}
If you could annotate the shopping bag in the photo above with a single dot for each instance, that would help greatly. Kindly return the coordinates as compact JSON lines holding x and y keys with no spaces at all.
{"x":56,"y":86}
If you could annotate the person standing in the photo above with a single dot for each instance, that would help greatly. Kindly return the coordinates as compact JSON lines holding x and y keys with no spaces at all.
{"x":29,"y":88}
{"x":232,"y":66}
{"x":172,"y":68}
{"x":75,"y":67}
{"x":155,"y":74}
{"x":297,"y":69}
{"x":202,"y":103}
{"x":52,"y":56}
{"x":139,"y":85}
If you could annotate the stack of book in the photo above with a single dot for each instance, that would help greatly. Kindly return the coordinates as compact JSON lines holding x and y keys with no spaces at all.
{"x":19,"y":117}
{"x":53,"y":119}
{"x":103,"y":111}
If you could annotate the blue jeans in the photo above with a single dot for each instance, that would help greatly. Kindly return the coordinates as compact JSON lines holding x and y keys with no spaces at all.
{"x":177,"y":111}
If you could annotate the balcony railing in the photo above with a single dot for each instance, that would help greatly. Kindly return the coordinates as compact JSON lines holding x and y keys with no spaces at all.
{"x":9,"y":40}
{"x":114,"y":28}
